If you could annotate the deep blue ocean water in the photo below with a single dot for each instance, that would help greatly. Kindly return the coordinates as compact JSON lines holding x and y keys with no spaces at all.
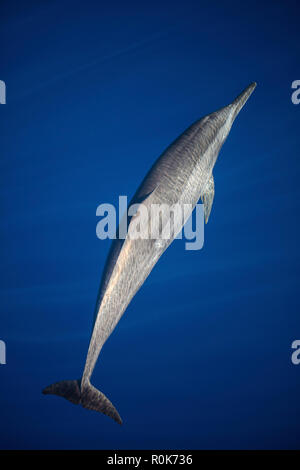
{"x":95,"y":92}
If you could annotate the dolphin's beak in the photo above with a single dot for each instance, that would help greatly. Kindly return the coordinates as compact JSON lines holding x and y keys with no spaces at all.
{"x":239,"y":102}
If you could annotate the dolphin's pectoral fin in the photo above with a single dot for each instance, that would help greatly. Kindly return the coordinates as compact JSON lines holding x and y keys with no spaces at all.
{"x":208,"y":197}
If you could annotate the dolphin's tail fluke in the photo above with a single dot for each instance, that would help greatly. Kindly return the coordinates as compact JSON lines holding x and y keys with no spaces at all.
{"x":87,"y":396}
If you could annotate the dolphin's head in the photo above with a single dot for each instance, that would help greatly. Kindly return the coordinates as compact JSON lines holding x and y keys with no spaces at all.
{"x":219,"y":122}
{"x":240,"y":100}
{"x":228,"y":114}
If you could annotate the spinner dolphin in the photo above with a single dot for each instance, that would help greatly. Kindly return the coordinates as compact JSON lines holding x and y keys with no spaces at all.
{"x":181,"y":175}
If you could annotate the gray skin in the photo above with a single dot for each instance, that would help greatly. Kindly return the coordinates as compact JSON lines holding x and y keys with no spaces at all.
{"x":181,"y":175}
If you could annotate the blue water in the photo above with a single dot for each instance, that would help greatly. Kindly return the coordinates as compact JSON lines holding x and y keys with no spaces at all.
{"x":95,"y":92}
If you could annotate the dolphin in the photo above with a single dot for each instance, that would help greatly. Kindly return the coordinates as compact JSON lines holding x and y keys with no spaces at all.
{"x":181,"y":175}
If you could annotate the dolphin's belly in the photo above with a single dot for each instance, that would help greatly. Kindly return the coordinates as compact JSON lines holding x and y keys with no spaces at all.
{"x":135,"y":261}
{"x":178,"y":177}
{"x":172,"y":187}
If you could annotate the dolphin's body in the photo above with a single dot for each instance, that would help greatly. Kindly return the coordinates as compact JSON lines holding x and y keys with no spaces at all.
{"x":181,"y":175}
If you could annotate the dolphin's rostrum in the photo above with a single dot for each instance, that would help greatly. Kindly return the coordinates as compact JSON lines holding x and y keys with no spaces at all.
{"x":181,"y":175}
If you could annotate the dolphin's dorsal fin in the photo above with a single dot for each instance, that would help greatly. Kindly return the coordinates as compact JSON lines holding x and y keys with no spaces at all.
{"x":208,"y":197}
{"x":141,"y":199}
